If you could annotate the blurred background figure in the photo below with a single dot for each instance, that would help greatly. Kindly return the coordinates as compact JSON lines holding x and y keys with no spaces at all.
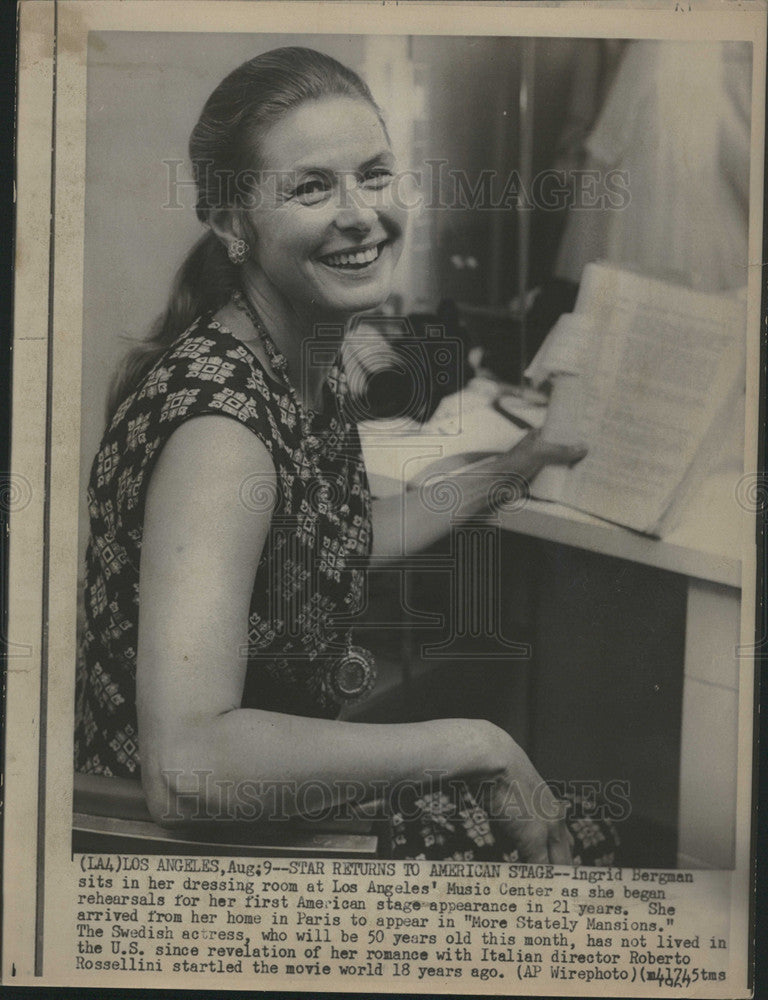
{"x":676,"y":119}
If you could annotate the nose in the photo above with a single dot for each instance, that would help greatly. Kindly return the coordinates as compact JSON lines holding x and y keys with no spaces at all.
{"x":356,"y":207}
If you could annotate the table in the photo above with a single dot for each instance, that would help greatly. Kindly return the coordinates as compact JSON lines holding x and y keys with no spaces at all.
{"x":706,"y":555}
{"x":704,"y":547}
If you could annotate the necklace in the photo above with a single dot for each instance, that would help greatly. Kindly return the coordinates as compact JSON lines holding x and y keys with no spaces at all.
{"x":276,"y":359}
{"x":351,"y":676}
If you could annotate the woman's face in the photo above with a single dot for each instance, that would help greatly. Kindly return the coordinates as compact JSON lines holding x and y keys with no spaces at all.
{"x":327,"y":230}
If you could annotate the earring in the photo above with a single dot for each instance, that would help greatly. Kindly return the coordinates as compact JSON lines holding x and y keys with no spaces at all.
{"x":238,"y":251}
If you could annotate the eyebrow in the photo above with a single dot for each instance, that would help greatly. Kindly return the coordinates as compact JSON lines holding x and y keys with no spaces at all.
{"x":384,"y":154}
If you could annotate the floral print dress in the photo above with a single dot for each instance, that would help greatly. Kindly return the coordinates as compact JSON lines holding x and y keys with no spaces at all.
{"x":311,"y":571}
{"x":309,"y":578}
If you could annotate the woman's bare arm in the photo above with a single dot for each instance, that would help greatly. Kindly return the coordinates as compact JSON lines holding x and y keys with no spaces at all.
{"x":203,"y":755}
{"x":200,"y":550}
{"x":407,"y":523}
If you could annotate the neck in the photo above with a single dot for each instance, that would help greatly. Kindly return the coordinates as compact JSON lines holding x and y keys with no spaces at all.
{"x":293,"y":333}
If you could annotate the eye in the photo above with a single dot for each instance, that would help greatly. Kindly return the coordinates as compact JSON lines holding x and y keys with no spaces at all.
{"x":376,"y":177}
{"x":313,"y":190}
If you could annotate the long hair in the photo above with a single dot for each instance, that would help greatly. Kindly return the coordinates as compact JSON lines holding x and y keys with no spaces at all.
{"x":224,"y":148}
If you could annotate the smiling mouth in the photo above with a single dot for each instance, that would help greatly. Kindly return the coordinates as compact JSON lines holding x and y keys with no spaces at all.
{"x":353,"y":260}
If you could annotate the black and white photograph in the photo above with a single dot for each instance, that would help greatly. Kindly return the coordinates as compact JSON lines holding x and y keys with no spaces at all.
{"x":263,"y":556}
{"x":456,"y":578}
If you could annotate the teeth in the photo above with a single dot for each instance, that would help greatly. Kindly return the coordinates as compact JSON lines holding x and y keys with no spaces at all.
{"x":358,"y":259}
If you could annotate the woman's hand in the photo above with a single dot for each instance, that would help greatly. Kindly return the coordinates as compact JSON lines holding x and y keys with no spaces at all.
{"x":528,"y":813}
{"x":533,"y":452}
{"x":478,"y":481}
{"x":512,"y":472}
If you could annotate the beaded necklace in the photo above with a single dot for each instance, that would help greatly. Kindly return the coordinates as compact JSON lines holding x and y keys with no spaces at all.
{"x":351,"y":676}
{"x":276,"y":359}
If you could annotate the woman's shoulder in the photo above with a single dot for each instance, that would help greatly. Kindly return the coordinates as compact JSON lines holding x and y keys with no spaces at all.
{"x":207,"y":351}
{"x":204,"y":372}
{"x":204,"y":366}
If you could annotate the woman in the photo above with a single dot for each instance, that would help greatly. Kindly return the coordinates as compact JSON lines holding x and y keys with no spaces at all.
{"x":231,"y":467}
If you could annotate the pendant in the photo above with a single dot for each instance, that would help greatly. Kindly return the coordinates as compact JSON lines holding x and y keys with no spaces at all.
{"x":353,"y":674}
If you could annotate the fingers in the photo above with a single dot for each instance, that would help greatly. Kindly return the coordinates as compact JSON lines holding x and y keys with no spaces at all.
{"x":559,"y":836}
{"x":534,"y":849}
{"x":562,"y":454}
{"x":547,"y":839}
{"x":545,"y":844}
{"x":538,"y":857}
{"x":560,"y":845}
{"x":542,"y":842}
{"x":537,"y":450}
{"x":533,"y":817}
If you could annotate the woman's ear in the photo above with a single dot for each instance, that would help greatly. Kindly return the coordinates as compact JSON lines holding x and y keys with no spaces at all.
{"x":230,"y":226}
{"x":226,"y":225}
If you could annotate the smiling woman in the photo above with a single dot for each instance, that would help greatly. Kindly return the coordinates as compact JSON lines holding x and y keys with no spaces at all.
{"x":230,"y":514}
{"x":326,"y":233}
{"x":332,"y":170}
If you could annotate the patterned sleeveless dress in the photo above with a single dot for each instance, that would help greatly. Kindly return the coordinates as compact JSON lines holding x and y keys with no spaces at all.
{"x":309,"y":581}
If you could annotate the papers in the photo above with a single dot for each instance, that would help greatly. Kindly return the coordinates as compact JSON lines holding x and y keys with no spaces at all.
{"x":568,"y":349}
{"x":642,"y":371}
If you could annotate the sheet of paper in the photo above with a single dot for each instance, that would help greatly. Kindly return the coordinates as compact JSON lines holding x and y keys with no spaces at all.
{"x":664,"y":362}
{"x":568,"y":349}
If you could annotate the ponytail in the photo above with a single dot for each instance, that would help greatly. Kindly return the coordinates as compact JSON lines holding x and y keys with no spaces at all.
{"x":203,"y":283}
